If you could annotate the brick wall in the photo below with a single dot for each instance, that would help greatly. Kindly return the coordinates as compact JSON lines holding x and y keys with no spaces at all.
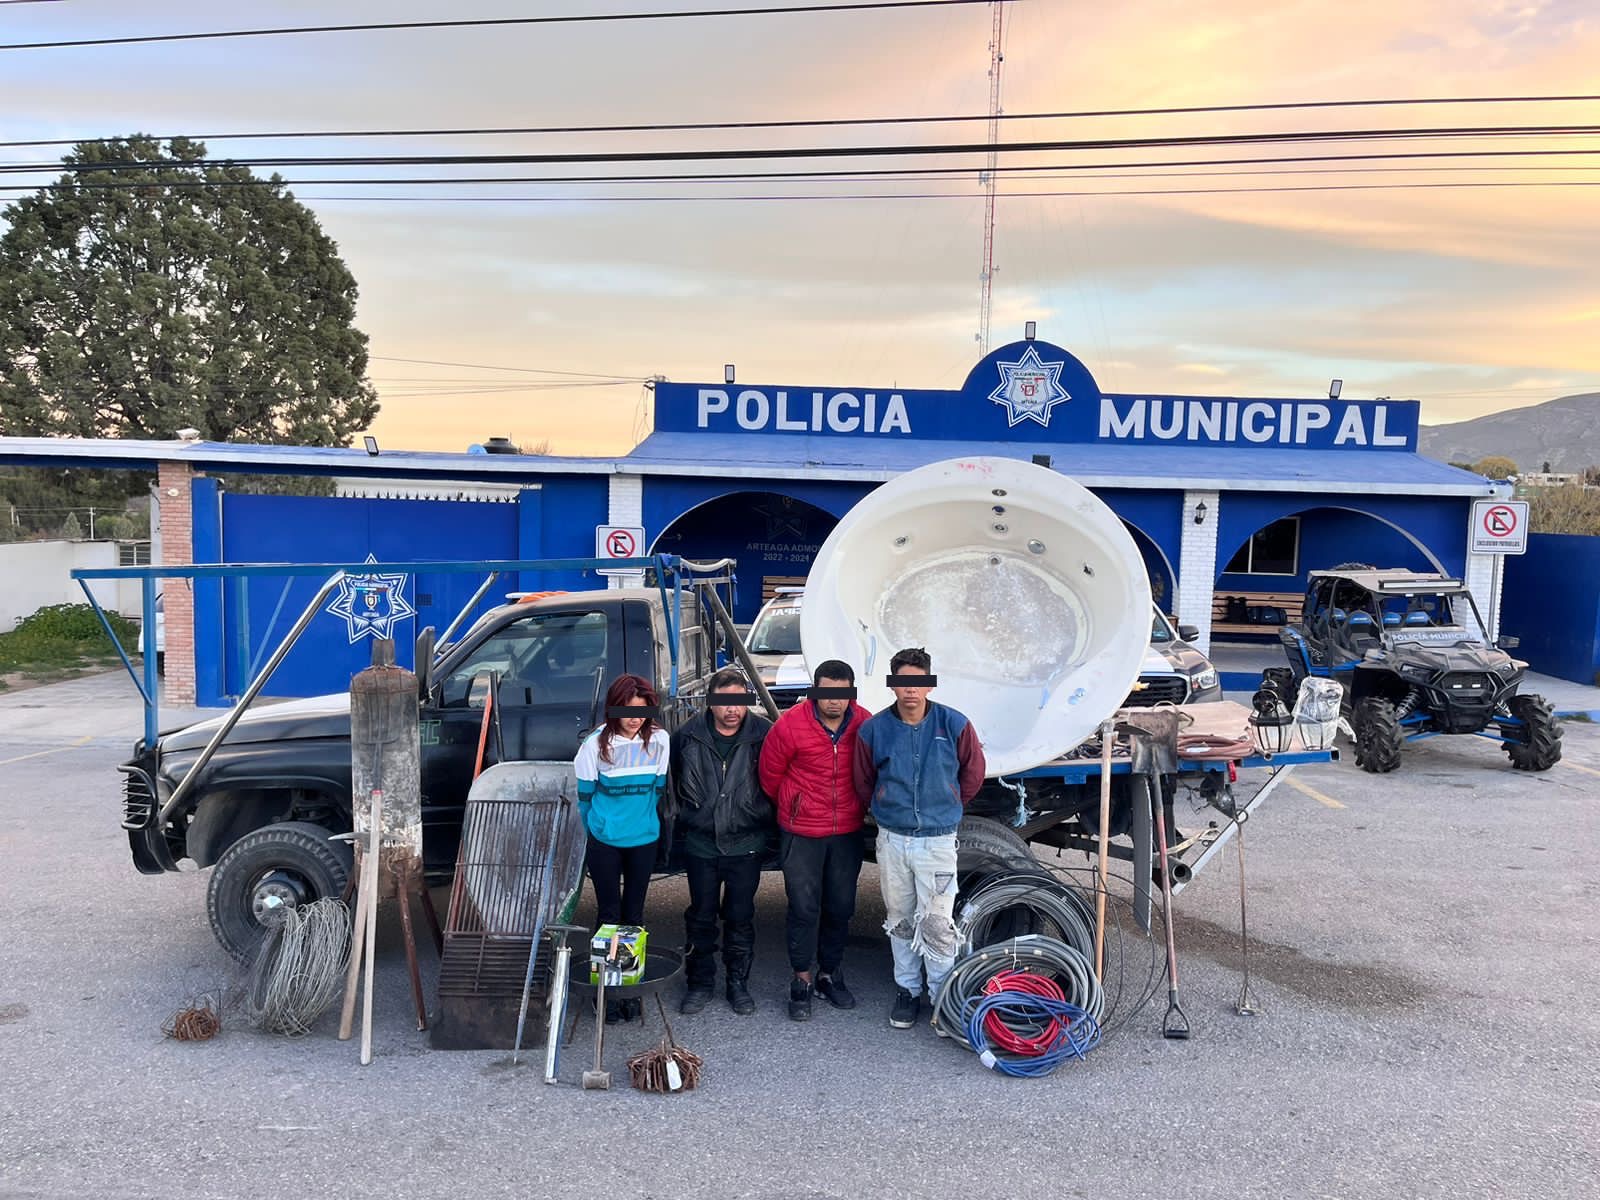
{"x":1197,"y":565}
{"x":177,"y":549}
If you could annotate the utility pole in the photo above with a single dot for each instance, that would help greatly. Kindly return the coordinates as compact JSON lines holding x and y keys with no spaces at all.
{"x":988,"y":179}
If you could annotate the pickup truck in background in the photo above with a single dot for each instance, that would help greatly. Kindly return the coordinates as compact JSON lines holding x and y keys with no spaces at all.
{"x":279,"y":784}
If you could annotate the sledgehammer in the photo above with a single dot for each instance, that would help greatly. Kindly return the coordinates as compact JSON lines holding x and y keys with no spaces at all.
{"x":599,"y":1079}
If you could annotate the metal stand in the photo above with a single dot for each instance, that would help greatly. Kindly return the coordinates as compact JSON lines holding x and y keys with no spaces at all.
{"x":1245,"y":1006}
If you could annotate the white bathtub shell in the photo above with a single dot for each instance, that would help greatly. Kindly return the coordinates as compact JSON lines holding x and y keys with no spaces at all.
{"x":1026,"y":589}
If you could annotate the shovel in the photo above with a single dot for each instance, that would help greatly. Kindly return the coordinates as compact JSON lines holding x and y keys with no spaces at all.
{"x":599,"y":1079}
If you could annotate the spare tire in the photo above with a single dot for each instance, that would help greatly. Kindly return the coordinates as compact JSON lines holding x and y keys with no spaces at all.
{"x":984,"y":846}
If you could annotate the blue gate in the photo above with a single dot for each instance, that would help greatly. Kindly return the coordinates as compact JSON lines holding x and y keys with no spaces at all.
{"x":238,"y":622}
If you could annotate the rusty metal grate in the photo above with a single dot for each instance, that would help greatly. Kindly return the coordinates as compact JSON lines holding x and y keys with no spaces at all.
{"x":519,"y":868}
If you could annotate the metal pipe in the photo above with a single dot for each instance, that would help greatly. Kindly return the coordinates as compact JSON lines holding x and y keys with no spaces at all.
{"x":116,"y":644}
{"x":745,"y":660}
{"x":250,"y":693}
{"x":443,"y":639}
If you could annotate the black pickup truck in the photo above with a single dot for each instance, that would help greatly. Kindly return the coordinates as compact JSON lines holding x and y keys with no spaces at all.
{"x":279,"y":785}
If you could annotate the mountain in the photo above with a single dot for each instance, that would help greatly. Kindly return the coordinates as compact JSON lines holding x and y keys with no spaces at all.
{"x":1563,"y":432}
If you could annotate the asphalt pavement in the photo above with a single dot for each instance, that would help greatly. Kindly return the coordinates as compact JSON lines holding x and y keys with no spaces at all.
{"x":1424,"y":946}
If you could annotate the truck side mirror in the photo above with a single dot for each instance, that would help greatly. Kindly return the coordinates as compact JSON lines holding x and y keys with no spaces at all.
{"x":1189,"y":633}
{"x":422,"y":660}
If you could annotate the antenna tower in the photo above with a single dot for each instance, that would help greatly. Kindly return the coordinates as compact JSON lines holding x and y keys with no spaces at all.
{"x":988,"y":179}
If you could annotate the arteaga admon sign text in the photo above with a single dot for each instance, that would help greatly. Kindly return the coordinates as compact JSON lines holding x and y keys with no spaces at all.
{"x":1035,"y":392}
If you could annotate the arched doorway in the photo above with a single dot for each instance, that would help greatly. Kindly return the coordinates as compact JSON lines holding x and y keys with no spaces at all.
{"x":1157,"y":567}
{"x":1261,"y":575}
{"x":774,"y":537}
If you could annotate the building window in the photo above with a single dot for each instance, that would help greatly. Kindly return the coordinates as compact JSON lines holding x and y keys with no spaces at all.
{"x":133,"y":554}
{"x":1273,"y":550}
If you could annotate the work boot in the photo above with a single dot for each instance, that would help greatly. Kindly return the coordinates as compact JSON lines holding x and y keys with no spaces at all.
{"x":633,"y":1009}
{"x":799,"y":999}
{"x":614,"y":1012}
{"x":739,"y":997}
{"x":696,"y":998}
{"x":832,"y":989}
{"x":906,"y":1006}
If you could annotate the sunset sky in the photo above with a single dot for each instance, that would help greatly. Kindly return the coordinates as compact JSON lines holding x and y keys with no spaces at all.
{"x":1471,"y":299}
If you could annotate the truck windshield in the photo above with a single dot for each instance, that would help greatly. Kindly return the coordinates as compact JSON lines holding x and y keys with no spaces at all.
{"x":544,"y":658}
{"x":776,"y":631}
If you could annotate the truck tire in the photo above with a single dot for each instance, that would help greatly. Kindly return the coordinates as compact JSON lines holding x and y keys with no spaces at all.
{"x":293,"y":862}
{"x":1378,"y":736}
{"x":984,"y":846}
{"x":1542,"y":749}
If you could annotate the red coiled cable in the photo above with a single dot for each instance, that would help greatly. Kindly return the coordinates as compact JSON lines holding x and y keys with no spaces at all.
{"x":1040,"y":1036}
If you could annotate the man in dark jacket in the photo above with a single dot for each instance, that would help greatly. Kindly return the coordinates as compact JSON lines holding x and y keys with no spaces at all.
{"x":727,"y":821}
{"x":806,"y":769}
{"x":917,"y":764}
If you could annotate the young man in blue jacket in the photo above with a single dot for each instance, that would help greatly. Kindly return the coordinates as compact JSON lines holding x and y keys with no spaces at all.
{"x":918,"y":764}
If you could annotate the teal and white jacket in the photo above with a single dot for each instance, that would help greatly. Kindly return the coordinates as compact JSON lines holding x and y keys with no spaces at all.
{"x":618,"y":799}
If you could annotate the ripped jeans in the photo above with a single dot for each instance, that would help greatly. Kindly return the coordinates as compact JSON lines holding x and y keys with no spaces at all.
{"x":918,"y":877}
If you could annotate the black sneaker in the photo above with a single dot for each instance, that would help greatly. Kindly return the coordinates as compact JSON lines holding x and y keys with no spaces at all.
{"x":800,"y":1000}
{"x":832,"y":989}
{"x":906,"y":1006}
{"x":695,"y":999}
{"x":739,"y":998}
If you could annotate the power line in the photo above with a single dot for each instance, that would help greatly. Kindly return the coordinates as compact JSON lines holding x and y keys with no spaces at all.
{"x":1281,"y":137}
{"x":429,"y":362}
{"x":831,"y":175}
{"x":821,"y":123}
{"x":489,"y":22}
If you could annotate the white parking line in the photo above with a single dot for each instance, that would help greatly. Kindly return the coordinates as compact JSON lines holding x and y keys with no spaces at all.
{"x":83,"y":741}
{"x":1576,"y":767}
{"x":1307,"y":790}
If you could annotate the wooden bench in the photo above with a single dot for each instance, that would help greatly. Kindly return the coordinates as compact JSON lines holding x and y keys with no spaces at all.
{"x":1289,"y":602}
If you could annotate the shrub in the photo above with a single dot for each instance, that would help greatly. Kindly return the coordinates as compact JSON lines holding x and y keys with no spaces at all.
{"x":62,"y":635}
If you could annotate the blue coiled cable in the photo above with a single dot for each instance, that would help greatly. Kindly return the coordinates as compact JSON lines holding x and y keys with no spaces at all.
{"x":1078,"y":1032}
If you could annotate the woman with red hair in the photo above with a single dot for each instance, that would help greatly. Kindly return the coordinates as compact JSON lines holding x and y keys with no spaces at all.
{"x":622,"y":775}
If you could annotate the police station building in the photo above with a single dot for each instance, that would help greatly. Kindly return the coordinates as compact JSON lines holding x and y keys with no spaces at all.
{"x":1230,"y":500}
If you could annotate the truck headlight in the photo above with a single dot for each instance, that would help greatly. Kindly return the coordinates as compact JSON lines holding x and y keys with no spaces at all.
{"x":1416,"y":672}
{"x":1205,"y":679}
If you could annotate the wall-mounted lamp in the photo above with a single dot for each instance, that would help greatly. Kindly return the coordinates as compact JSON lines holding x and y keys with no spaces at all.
{"x":1028,"y":330}
{"x":1334,"y":389}
{"x":371,"y":444}
{"x":727,"y":373}
{"x":1200,"y":513}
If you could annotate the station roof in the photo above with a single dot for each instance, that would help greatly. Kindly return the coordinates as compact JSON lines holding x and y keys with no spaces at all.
{"x":1095,"y":465}
{"x":799,"y":456}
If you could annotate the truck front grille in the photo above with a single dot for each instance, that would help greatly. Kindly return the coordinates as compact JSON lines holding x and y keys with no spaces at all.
{"x":1159,"y":689}
{"x":138,"y":799}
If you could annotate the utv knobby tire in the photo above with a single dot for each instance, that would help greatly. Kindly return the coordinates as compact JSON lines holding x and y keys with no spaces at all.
{"x":1379,"y":736}
{"x":1542,"y":749}
{"x":296,"y":847}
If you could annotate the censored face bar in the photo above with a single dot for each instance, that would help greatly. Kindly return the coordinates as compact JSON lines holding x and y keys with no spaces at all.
{"x":831,"y":693}
{"x":909,"y":681}
{"x":733,"y":699}
{"x":624,"y":711}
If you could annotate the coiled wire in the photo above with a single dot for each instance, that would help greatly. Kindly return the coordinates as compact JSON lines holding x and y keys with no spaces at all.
{"x":964,"y":988}
{"x":1024,"y":1027}
{"x":1066,"y":913}
{"x":298,"y":970}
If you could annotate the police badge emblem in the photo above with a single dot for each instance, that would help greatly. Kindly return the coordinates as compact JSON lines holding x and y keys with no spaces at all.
{"x":1029,"y":388}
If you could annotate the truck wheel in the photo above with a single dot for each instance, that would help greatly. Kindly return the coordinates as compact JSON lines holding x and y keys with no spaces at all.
{"x":1378,"y":736}
{"x":292,"y":863}
{"x":984,"y":846}
{"x":1541,"y":748}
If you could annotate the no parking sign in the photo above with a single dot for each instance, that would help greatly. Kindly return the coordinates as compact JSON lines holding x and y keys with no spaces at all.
{"x":1499,"y":527}
{"x":619,"y":541}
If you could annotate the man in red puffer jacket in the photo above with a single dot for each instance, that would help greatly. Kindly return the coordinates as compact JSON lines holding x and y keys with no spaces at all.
{"x":806,"y":769}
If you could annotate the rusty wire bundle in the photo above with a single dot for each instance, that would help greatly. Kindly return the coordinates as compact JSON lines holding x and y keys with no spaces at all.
{"x":199,"y":1021}
{"x":667,"y":1067}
